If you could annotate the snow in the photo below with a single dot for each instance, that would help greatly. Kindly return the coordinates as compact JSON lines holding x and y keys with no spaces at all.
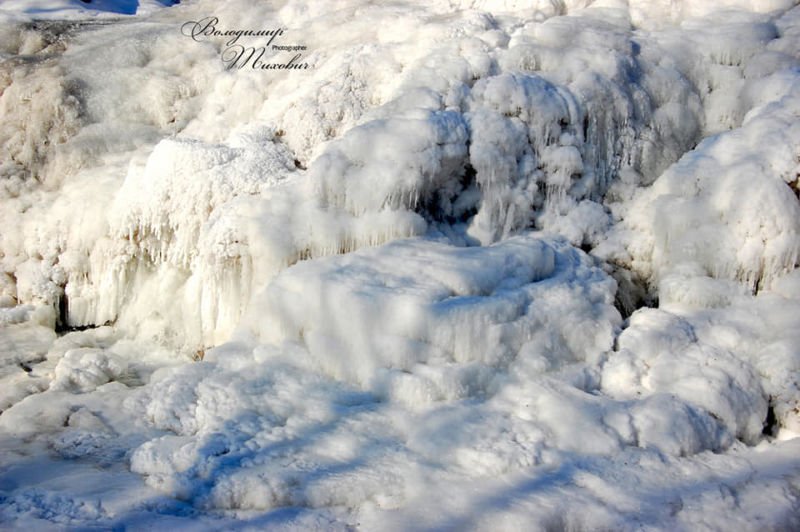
{"x":486,"y":264}
{"x":724,"y":211}
{"x":441,"y":320}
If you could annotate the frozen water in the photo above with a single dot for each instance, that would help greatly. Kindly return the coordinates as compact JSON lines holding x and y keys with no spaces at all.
{"x":385,"y":292}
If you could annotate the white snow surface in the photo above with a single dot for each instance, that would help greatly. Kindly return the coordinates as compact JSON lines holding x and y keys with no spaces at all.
{"x":484,"y":265}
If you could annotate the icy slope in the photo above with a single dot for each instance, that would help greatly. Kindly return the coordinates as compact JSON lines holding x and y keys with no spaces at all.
{"x":725,"y":211}
{"x":510,"y":124}
{"x":560,"y":431}
{"x":457,"y":314}
{"x":484,"y":125}
{"x":387,"y":291}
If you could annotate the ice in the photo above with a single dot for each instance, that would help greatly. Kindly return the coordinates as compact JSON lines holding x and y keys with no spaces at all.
{"x":488,"y":134}
{"x":486,"y":264}
{"x":400,"y":319}
{"x":683,"y":350}
{"x":24,"y":343}
{"x":655,"y":13}
{"x":85,"y":369}
{"x":688,"y":370}
{"x":724,"y":211}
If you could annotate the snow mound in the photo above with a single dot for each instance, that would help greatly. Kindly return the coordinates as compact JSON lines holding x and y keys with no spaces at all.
{"x":736,"y":361}
{"x":659,"y":353}
{"x":83,"y":370}
{"x":442,"y":319}
{"x":657,"y":13}
{"x":723,"y":211}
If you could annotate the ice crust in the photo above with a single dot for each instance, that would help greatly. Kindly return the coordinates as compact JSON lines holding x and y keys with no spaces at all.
{"x":489,"y":264}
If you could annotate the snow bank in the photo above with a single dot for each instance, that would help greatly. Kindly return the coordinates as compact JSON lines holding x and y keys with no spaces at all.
{"x":675,"y":363}
{"x":442,"y":319}
{"x":84,"y":370}
{"x":734,"y":361}
{"x":655,"y":13}
{"x":251,"y":429}
{"x":24,"y":342}
{"x":373,"y":267}
{"x":724,"y":211}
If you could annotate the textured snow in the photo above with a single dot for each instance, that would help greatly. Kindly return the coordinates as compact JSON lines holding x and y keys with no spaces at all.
{"x":435,"y":320}
{"x":487,"y":264}
{"x":724,"y":211}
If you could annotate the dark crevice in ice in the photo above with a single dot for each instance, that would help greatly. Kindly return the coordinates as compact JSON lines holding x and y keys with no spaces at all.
{"x":771,"y":421}
{"x":633,"y":292}
{"x":62,"y":321}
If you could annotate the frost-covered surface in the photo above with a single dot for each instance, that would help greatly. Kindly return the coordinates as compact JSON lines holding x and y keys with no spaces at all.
{"x":486,"y":264}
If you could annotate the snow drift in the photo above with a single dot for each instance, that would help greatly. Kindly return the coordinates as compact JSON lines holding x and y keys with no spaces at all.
{"x":320,"y":299}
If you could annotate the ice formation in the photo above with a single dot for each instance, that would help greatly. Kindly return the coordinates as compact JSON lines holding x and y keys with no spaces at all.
{"x":420,"y":305}
{"x":538,"y":256}
{"x":494,"y":131}
{"x":724,"y":211}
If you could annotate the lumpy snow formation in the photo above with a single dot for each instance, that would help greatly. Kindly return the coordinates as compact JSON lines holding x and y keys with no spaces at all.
{"x":485,"y":264}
